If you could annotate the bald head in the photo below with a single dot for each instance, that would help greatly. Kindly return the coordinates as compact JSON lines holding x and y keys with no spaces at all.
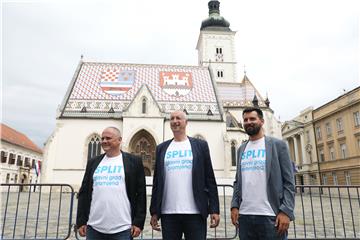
{"x":178,"y":124}
{"x":114,"y":130}
{"x":111,"y":141}
{"x":178,"y":113}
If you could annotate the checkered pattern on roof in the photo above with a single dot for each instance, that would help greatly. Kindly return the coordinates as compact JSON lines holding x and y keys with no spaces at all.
{"x":88,"y":97}
{"x":87,"y":83}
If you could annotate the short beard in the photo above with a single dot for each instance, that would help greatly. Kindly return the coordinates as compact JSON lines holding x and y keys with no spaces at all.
{"x":251,"y":131}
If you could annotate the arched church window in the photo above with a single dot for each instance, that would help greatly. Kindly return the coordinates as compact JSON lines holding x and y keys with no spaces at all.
{"x":143,"y":144}
{"x":143,"y":106}
{"x":233,"y":153}
{"x":94,"y":147}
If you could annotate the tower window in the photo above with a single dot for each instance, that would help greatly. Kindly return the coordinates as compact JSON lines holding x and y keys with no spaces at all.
{"x":219,"y":56}
{"x":220,"y":73}
{"x":143,"y":106}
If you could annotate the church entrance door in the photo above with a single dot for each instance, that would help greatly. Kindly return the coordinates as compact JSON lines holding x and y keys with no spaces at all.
{"x":143,"y":144}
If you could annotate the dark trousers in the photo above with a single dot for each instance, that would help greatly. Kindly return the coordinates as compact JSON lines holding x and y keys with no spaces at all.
{"x":92,"y":234}
{"x":174,"y":225}
{"x":254,"y":227}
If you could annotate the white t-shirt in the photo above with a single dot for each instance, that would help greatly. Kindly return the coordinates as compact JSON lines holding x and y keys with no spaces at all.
{"x":178,"y":194}
{"x":110,"y":210}
{"x":253,"y":177}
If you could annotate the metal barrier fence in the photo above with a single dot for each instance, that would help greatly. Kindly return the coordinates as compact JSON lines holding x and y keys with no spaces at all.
{"x":48,"y":211}
{"x":326,"y":212}
{"x":225,"y":230}
{"x":36,"y":211}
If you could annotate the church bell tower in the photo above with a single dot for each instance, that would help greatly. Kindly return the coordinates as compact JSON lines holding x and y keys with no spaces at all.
{"x":216,"y":45}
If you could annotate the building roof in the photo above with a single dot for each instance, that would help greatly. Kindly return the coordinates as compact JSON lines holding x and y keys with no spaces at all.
{"x":12,"y":136}
{"x":105,"y":90}
{"x":239,"y":94}
{"x":346,"y":93}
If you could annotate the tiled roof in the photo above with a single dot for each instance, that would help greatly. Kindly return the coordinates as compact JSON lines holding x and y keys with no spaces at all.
{"x":10,"y":135}
{"x":239,"y":94}
{"x":101,"y":86}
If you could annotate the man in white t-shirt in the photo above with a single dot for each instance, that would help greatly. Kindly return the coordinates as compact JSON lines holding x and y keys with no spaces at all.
{"x":263,"y":199}
{"x":184,"y":187}
{"x":112,"y":197}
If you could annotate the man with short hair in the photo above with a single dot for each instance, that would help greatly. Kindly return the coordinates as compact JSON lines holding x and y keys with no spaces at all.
{"x":112,"y":197}
{"x":184,"y":187}
{"x":264,"y":187}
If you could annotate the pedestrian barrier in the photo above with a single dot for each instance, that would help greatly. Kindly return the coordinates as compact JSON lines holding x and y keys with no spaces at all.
{"x":326,"y":212}
{"x":224,"y":231}
{"x":48,"y":211}
{"x":36,"y":211}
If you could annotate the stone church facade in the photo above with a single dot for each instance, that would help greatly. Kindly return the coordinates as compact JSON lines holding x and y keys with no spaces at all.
{"x":138,"y":99}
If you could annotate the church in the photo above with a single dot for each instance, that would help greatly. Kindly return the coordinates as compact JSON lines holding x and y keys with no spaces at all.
{"x":138,"y":99}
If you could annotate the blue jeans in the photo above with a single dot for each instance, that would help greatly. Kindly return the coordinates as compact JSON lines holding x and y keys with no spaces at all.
{"x":174,"y":225}
{"x":252,"y":227}
{"x":92,"y":234}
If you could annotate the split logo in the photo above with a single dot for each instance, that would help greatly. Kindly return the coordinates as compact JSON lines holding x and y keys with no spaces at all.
{"x":253,"y":160}
{"x":178,"y":160}
{"x":108,"y":175}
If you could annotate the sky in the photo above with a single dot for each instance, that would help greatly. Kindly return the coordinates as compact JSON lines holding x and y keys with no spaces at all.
{"x":299,"y":53}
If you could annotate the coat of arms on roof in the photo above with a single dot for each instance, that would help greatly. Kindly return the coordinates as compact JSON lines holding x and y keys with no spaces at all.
{"x":117,"y":82}
{"x":176,"y":83}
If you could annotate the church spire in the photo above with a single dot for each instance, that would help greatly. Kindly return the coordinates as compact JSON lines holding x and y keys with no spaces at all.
{"x":214,"y":7}
{"x":215,"y":21}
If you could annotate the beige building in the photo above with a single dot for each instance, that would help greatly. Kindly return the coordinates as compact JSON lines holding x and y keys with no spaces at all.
{"x":20,"y":157}
{"x":337,"y":133}
{"x":299,"y":134}
{"x":325,"y":142}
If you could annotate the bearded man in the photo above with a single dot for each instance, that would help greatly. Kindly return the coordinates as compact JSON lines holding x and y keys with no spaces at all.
{"x":264,"y":192}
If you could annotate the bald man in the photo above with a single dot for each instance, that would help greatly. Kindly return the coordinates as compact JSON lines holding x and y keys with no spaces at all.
{"x":184,"y":188}
{"x":112,"y":197}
